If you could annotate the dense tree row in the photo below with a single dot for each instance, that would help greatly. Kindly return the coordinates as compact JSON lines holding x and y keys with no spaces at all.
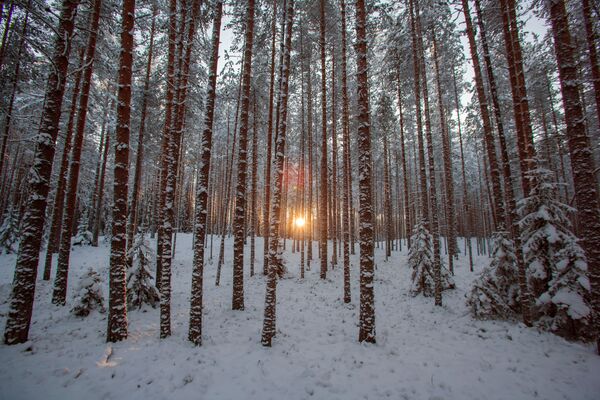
{"x":407,"y":140}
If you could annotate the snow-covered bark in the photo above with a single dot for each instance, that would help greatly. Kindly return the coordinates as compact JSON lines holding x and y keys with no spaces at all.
{"x":323,"y":201}
{"x":275,"y":260}
{"x":365,"y":167}
{"x":267,"y":181}
{"x":201,"y":212}
{"x":242,"y":167}
{"x":117,"y":300}
{"x":346,"y":155}
{"x":582,"y":161}
{"x":21,"y":301}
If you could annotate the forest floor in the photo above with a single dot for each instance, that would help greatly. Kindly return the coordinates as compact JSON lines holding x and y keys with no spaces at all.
{"x":422,"y":351}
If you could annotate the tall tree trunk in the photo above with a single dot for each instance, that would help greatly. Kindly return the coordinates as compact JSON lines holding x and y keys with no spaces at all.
{"x":448,"y":175}
{"x":592,"y":52}
{"x":468,"y":231}
{"x":365,"y":166}
{"x":518,"y":90}
{"x":497,"y":197}
{"x":275,"y":261}
{"x":165,"y":144}
{"x":323,"y":200}
{"x":269,"y":143}
{"x":195,"y":329}
{"x":582,"y":162}
{"x":15,"y":83}
{"x":59,"y":295}
{"x":242,"y":167}
{"x":346,"y":145}
{"x":99,"y":203}
{"x":57,"y":209}
{"x":117,"y":300}
{"x":423,"y":198}
{"x":21,"y":300}
{"x":408,"y":221}
{"x":139,"y":158}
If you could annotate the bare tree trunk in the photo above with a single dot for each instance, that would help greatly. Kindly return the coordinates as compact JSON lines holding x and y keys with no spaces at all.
{"x":100,"y":193}
{"x":21,"y":300}
{"x":195,"y":329}
{"x":408,"y":221}
{"x":254,"y":209}
{"x":117,"y":300}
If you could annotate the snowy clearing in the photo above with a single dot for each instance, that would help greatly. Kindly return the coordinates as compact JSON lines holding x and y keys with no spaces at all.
{"x":422,"y":352}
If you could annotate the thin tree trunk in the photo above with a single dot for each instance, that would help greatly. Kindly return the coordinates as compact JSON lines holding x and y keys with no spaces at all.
{"x":59,"y":295}
{"x":139,"y":158}
{"x":269,"y":143}
{"x":57,"y":209}
{"x":323,"y":200}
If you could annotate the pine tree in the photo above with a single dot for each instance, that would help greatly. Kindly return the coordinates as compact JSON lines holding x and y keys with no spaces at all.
{"x":9,"y":231}
{"x":495,"y":293}
{"x":556,"y":262}
{"x":140,"y":289}
{"x":421,"y":261}
{"x":88,"y":294}
{"x":83,"y":237}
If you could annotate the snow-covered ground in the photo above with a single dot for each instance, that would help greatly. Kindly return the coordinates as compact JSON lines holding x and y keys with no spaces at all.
{"x":422,"y":351}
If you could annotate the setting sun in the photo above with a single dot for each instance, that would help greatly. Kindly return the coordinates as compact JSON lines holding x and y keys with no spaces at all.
{"x":299,"y":222}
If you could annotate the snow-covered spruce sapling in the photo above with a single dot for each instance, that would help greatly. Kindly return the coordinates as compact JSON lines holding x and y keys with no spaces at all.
{"x":420,"y":260}
{"x":83,"y":236}
{"x":89,"y":294}
{"x":140,"y":286}
{"x":556,"y":263}
{"x":495,"y":293}
{"x":9,"y":232}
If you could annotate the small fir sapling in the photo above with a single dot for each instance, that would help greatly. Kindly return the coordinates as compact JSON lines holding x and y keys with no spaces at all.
{"x":420,"y":260}
{"x":89,"y":294}
{"x":84,"y":236}
{"x":9,"y":232}
{"x":495,"y":293}
{"x":140,"y":286}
